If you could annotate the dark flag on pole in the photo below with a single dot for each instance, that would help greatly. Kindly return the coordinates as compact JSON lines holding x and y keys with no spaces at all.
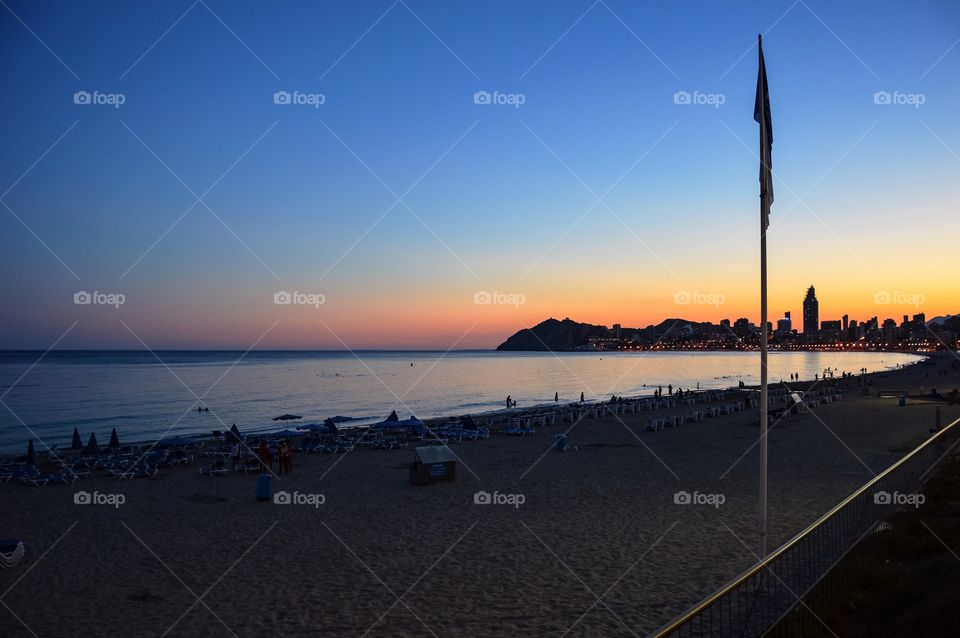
{"x":761,"y":113}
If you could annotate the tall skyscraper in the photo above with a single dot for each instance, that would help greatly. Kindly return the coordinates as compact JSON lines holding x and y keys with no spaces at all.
{"x":811,"y":312}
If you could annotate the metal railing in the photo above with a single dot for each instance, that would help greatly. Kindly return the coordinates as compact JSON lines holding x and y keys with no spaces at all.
{"x":755,"y":601}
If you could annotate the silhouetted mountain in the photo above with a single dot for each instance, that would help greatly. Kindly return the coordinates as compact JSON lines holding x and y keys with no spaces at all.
{"x":941,"y":320}
{"x":554,"y":335}
{"x":560,"y":336}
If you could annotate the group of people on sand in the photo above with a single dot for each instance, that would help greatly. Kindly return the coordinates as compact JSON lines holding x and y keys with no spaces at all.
{"x":511,"y":403}
{"x":658,"y":393}
{"x":284,"y":456}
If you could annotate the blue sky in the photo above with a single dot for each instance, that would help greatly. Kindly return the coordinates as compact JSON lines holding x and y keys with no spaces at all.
{"x":499,"y":194}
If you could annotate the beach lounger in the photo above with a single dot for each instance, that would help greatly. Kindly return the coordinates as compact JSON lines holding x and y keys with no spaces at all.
{"x":250,"y":464}
{"x":37,"y":480}
{"x":308,"y":445}
{"x":11,"y":552}
{"x":30,"y":475}
{"x":66,"y":477}
{"x":219,"y":468}
{"x":136,"y":471}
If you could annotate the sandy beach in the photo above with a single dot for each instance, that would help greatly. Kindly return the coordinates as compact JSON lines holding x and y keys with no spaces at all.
{"x":598,"y":546}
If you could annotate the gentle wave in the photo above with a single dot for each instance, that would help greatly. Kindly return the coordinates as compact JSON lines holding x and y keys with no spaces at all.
{"x":132,"y":391}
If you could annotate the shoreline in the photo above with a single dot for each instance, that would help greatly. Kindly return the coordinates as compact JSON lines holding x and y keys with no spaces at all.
{"x":497,"y":413}
{"x":608,"y":502}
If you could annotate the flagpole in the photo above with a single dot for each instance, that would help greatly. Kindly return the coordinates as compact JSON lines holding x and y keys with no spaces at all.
{"x":764,"y":215}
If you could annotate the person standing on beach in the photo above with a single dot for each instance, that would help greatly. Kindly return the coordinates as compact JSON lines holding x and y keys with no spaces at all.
{"x":509,"y":402}
{"x":670,"y":390}
{"x":235,"y":454}
{"x":285,"y":458}
{"x":556,"y":397}
{"x":282,"y":458}
{"x":581,"y":397}
{"x":266,"y":459}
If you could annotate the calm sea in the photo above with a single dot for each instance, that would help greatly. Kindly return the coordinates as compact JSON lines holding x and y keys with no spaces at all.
{"x":145,"y":398}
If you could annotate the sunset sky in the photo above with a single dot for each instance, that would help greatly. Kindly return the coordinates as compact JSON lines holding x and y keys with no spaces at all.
{"x":590,"y":193}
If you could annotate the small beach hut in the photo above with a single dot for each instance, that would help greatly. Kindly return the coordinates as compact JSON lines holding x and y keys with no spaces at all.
{"x":433,"y":464}
{"x":31,"y":453}
{"x":114,"y":440}
{"x":77,"y":443}
{"x":92,"y":447}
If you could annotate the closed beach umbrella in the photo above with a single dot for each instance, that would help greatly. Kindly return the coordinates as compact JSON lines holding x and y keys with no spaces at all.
{"x":114,"y":440}
{"x":31,"y":454}
{"x":235,"y":432}
{"x":77,"y":444}
{"x":92,"y":444}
